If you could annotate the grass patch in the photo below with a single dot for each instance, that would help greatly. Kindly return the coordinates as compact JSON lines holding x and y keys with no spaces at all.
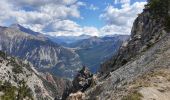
{"x":158,"y":73}
{"x":133,"y":96}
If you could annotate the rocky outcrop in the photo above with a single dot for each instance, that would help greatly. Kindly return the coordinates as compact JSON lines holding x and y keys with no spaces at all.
{"x":45,"y":55}
{"x":19,"y":80}
{"x":83,"y":80}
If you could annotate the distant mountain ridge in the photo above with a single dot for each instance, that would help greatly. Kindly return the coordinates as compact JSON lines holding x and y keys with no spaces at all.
{"x":95,"y":50}
{"x":48,"y":56}
{"x":94,"y":40}
{"x":65,"y":40}
{"x":92,"y":50}
{"x":39,"y":50}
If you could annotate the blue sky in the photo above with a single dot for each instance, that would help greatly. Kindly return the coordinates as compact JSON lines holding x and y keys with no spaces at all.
{"x":72,"y":17}
{"x":91,"y":17}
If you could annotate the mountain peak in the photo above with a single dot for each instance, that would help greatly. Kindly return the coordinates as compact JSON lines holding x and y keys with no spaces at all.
{"x":23,"y":29}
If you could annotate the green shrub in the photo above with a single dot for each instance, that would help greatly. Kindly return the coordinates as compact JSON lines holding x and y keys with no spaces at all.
{"x":159,"y":9}
{"x":24,"y":91}
{"x":124,"y":61}
{"x":14,"y":93}
{"x":17,"y":68}
{"x":2,"y":54}
{"x":167,"y":23}
{"x":9,"y":91}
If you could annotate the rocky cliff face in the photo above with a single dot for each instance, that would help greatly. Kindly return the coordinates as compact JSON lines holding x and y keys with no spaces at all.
{"x":146,"y":31}
{"x":40,"y":51}
{"x":147,"y":50}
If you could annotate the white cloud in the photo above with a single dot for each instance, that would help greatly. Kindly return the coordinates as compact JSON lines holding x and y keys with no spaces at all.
{"x":38,"y":3}
{"x":53,"y":16}
{"x":121,"y":1}
{"x":38,"y":12}
{"x":70,"y":28}
{"x":93,"y":7}
{"x":63,"y":25}
{"x":91,"y":31}
{"x":121,"y":20}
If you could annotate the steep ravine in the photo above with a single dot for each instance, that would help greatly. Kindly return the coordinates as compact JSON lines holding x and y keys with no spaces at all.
{"x":96,"y":50}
